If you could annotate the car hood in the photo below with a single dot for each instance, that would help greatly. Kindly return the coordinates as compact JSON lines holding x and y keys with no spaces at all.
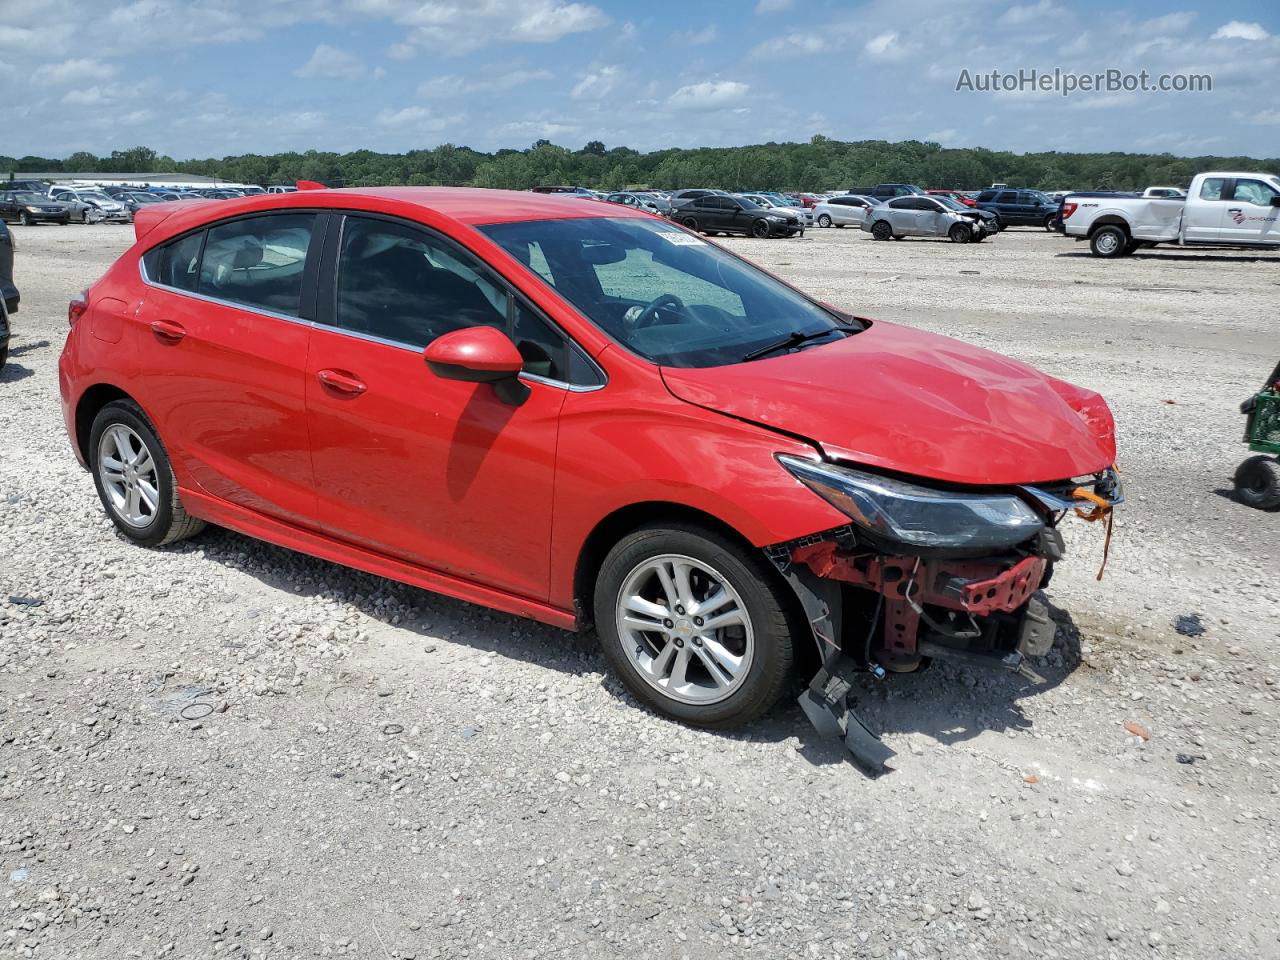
{"x":916,"y":403}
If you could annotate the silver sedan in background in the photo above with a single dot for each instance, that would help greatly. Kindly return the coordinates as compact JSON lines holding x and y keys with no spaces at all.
{"x":921,"y":216}
{"x":803,"y":214}
{"x":843,"y":211}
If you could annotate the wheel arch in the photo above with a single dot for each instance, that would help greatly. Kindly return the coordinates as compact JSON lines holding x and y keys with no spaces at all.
{"x":1109,"y":220}
{"x":622,"y":521}
{"x":91,"y":401}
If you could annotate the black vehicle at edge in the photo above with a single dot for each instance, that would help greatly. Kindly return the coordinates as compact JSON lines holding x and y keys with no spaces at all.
{"x":8,"y":292}
{"x":720,"y":213}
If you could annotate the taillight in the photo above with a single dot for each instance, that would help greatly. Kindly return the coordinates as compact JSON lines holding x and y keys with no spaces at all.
{"x":1068,"y":209}
{"x":76,"y":308}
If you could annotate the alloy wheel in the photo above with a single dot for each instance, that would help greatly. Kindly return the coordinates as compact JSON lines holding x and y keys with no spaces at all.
{"x":128,"y":474}
{"x":685,"y":629}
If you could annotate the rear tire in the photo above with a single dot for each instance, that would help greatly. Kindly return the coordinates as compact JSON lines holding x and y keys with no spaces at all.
{"x":627,"y":593}
{"x":1109,"y":242}
{"x":134,"y":478}
{"x":881,"y":230}
{"x":1257,"y":483}
{"x":824,"y":220}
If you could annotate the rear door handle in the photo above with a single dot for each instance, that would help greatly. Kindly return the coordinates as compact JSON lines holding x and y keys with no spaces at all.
{"x":168,"y":330}
{"x":341,"y":382}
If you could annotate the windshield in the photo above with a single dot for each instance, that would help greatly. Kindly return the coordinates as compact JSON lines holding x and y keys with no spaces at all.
{"x":661,"y":291}
{"x":26,"y":197}
{"x":749,"y":204}
{"x":145,"y":197}
{"x":94,"y":195}
{"x":951,"y":202}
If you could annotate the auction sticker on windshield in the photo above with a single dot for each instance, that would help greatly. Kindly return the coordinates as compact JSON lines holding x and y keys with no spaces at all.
{"x":679,"y":238}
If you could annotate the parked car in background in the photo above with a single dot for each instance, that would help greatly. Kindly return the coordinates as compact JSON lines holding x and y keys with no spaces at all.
{"x":99,"y":206}
{"x":922,"y":216}
{"x":1020,"y":208}
{"x":683,"y":196}
{"x":281,"y":188}
{"x":646,"y":433}
{"x":134,"y":199}
{"x":767,"y":201}
{"x":210,"y":194}
{"x":969,"y":200}
{"x":32,"y":186}
{"x":885,"y":190}
{"x":9,"y":297}
{"x":1227,"y":209}
{"x":721,"y":213}
{"x":635,"y":201}
{"x":27,"y":207}
{"x":1165,"y":193}
{"x":846,"y":211}
{"x":578,"y":190}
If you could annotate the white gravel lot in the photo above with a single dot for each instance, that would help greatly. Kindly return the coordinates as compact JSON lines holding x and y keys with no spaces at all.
{"x":227,"y":749}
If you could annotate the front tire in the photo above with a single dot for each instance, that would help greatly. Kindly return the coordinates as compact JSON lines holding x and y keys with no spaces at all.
{"x":1109,"y":242}
{"x":881,"y":230}
{"x":960,"y":233}
{"x":134,"y":478}
{"x":690,"y":222}
{"x":24,"y":218}
{"x":696,"y":626}
{"x":760,"y":229}
{"x":1257,"y":483}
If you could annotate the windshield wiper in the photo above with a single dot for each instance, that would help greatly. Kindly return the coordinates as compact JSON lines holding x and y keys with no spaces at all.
{"x":795,"y":339}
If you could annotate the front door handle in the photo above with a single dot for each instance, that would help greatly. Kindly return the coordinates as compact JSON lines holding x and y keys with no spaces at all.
{"x":341,"y":382}
{"x":168,"y":331}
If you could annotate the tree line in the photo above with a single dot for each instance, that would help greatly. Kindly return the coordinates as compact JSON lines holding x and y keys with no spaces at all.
{"x":821,"y":164}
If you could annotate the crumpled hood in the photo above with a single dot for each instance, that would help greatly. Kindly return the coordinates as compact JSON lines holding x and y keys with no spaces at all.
{"x":917,"y":403}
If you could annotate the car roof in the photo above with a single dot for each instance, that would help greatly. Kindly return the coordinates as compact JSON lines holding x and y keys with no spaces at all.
{"x":472,"y":206}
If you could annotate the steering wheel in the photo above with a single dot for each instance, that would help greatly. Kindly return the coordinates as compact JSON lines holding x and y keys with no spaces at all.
{"x":649,"y":315}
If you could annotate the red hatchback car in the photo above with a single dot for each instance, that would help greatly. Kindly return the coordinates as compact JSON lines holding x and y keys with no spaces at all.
{"x":583,"y":414}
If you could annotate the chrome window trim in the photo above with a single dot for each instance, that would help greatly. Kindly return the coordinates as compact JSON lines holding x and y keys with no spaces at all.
{"x":261,"y":311}
{"x":367,"y":337}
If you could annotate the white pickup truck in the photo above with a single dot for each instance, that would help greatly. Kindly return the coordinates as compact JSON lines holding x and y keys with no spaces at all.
{"x":1221,"y":210}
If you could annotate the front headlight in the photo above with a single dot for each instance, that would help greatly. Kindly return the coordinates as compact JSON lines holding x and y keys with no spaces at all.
{"x":918,"y":517}
{"x":33,"y":209}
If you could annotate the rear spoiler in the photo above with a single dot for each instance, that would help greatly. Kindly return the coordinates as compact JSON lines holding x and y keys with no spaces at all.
{"x":310,"y":185}
{"x":148,"y":217}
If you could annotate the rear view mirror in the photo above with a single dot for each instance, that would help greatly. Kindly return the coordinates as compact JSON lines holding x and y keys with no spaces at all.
{"x":602,"y":254}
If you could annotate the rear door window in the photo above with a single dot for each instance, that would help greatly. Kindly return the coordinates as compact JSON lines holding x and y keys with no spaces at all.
{"x":258,"y":261}
{"x":177,"y":263}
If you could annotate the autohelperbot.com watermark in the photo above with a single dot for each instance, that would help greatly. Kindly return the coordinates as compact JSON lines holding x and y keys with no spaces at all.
{"x":1066,"y":82}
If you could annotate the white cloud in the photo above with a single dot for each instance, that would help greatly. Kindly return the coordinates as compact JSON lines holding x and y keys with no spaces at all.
{"x":401,"y":51}
{"x":1016,"y":16}
{"x":885,"y":46}
{"x":73,"y":71}
{"x":331,"y":62}
{"x":456,"y":27}
{"x":791,"y":45}
{"x":453,"y":85}
{"x":598,"y":84}
{"x":707,"y":95}
{"x":1240,"y":30}
{"x":99,"y":95}
{"x":696,"y":38}
{"x":772,"y":6}
{"x":417,"y":119}
{"x":945,"y":137}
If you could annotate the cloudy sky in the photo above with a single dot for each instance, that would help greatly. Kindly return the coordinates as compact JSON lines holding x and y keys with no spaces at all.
{"x":220,"y":77}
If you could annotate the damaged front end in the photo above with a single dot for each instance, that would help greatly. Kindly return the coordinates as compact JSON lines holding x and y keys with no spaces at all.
{"x":922,"y":573}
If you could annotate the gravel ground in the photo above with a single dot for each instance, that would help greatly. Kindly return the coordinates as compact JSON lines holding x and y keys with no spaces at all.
{"x":227,"y":749}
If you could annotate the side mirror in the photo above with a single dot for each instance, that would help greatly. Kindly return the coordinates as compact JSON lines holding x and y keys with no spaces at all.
{"x":1275,"y":200}
{"x":479,"y":355}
